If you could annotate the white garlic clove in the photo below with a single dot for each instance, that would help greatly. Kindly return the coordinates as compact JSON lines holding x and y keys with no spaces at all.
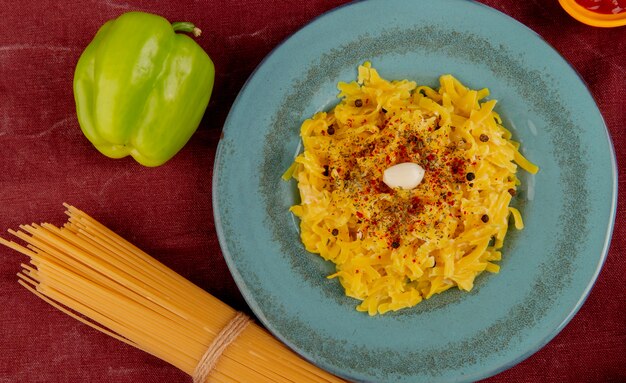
{"x":406,"y":175}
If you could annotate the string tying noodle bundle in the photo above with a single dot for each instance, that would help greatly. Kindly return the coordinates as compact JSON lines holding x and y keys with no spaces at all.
{"x":219,"y":344}
{"x":95,"y":276}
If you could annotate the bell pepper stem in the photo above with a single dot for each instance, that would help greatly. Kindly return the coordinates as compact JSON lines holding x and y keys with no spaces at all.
{"x":185,"y":26}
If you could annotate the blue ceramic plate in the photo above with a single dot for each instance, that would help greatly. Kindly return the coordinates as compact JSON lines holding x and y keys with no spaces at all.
{"x":547,"y":269}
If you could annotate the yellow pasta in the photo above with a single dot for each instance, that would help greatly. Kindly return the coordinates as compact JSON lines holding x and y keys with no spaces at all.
{"x":395,"y":247}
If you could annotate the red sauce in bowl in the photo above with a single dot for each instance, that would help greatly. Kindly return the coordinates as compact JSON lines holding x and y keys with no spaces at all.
{"x":607,"y":7}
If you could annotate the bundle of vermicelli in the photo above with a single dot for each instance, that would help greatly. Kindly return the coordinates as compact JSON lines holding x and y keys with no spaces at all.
{"x":92,"y":274}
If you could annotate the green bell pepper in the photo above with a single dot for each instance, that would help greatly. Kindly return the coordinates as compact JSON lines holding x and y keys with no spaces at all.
{"x":141,"y":89}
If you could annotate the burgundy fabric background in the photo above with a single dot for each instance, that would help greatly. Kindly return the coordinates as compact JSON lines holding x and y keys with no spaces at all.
{"x":45,"y":160}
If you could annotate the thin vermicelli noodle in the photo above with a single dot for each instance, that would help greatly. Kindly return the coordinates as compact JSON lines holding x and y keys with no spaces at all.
{"x":92,"y":274}
{"x":395,"y":247}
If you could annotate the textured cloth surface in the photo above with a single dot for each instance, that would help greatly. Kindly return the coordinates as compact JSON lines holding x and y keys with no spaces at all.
{"x":45,"y":160}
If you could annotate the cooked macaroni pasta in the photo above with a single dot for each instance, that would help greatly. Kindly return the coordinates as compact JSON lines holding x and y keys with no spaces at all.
{"x":394,"y":247}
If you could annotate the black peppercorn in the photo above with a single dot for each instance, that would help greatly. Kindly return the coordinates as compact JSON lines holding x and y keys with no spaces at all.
{"x":331,"y":130}
{"x":358,"y":103}
{"x":484,"y":218}
{"x":470,"y":176}
{"x":326,"y":171}
{"x":395,"y":244}
{"x":383,"y":110}
{"x":335,"y":232}
{"x":484,"y":138}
